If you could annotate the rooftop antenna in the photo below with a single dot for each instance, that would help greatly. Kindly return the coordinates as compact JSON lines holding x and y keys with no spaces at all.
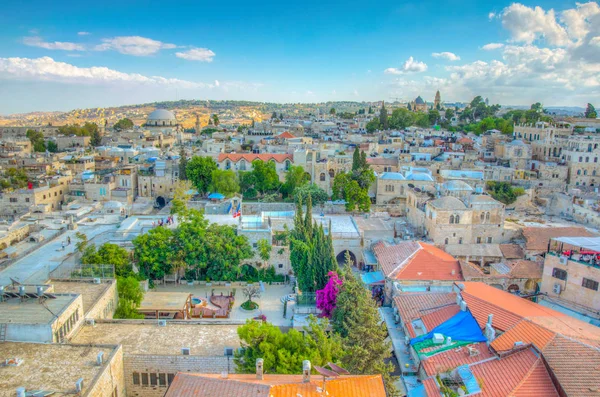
{"x":329,"y":374}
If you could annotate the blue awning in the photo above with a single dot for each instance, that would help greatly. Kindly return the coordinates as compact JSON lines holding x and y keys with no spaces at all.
{"x":372,"y":278}
{"x":216,"y":196}
{"x":461,"y":327}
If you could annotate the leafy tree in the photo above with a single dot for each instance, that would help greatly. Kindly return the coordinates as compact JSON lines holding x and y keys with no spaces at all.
{"x":283,"y":353}
{"x":82,"y":243}
{"x":504,"y":191}
{"x":264,"y":249}
{"x":265,"y":176}
{"x":401,"y":118}
{"x":537,"y":107}
{"x":123,"y":124}
{"x":422,"y":120}
{"x":332,"y":111}
{"x":225,"y":252}
{"x":183,"y":162}
{"x":225,"y":182}
{"x":215,"y":119}
{"x":181,"y":197}
{"x":370,"y":110}
{"x":109,"y":254}
{"x":75,"y":129}
{"x":590,"y":112}
{"x":340,"y":181}
{"x":449,"y":114}
{"x":154,"y":253}
{"x":274,"y":116}
{"x":199,"y":172}
{"x":373,"y":125}
{"x":52,"y":147}
{"x":434,"y":116}
{"x":356,"y":319}
{"x":130,"y":298}
{"x":383,"y":117}
{"x":318,"y":195}
{"x":357,"y":198}
{"x":294,"y":178}
{"x":37,"y":140}
{"x":326,"y":297}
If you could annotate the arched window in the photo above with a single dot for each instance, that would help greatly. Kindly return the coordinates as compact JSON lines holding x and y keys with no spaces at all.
{"x":578,"y":172}
{"x":457,"y":219}
{"x":593,"y":172}
{"x":584,"y":172}
{"x":243,"y":165}
{"x":482,"y":216}
{"x":288,"y":164}
{"x":228,"y":165}
{"x":446,"y":241}
{"x":322,"y":177}
{"x":309,"y":157}
{"x":331,"y":173}
{"x":487,"y":216}
{"x":451,"y":219}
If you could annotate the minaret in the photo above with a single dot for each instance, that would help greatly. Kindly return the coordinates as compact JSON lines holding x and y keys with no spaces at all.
{"x":197,"y":124}
{"x":437,"y":103}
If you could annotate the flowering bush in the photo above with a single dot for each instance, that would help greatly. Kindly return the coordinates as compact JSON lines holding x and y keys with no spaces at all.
{"x":326,"y":297}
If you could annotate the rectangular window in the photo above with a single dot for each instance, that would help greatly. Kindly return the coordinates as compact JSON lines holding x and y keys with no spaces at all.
{"x":153,"y":379}
{"x":170,"y":378}
{"x":13,"y":199}
{"x":144,"y":379}
{"x":478,"y":240}
{"x":591,"y":284}
{"x":162,"y":379}
{"x":489,"y":240}
{"x":559,"y":273}
{"x":136,"y":378}
{"x":26,"y":199}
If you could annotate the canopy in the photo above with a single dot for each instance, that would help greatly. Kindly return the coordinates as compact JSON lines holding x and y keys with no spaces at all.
{"x":372,"y":278}
{"x":461,"y":327}
{"x":216,"y":196}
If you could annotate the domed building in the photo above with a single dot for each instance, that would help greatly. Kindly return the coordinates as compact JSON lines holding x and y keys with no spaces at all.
{"x":161,"y":118}
{"x":419,"y":105}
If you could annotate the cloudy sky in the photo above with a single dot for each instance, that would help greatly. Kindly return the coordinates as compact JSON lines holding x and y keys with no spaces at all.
{"x":72,"y":54}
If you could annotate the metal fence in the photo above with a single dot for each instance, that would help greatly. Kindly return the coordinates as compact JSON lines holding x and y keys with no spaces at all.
{"x":80,"y":271}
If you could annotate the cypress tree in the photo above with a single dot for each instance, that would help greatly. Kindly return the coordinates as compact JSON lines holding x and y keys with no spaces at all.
{"x":308,"y":220}
{"x":356,"y":159}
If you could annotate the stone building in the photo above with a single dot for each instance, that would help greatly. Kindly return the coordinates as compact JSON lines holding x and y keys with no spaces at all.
{"x":243,"y":162}
{"x":418,"y":105}
{"x":41,"y":199}
{"x":516,"y":153}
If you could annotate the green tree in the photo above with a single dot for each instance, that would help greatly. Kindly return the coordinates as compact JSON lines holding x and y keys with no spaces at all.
{"x":225,"y":252}
{"x":504,"y":191}
{"x":434,"y":116}
{"x":422,"y":120}
{"x":183,"y":162}
{"x":225,"y":182}
{"x":37,"y":140}
{"x":401,"y":118}
{"x":283,"y":353}
{"x":199,"y":172}
{"x":215,"y":119}
{"x":130,"y":298}
{"x":383,"y":117}
{"x":356,"y":319}
{"x":264,"y":249}
{"x":332,"y":111}
{"x":370,"y":110}
{"x":265,"y":176}
{"x":274,"y":116}
{"x":123,"y":124}
{"x":82,"y":243}
{"x":154,"y":253}
{"x":181,"y":196}
{"x":449,"y":114}
{"x":537,"y":107}
{"x":373,"y":126}
{"x":357,"y":198}
{"x":294,"y":178}
{"x":590,"y":112}
{"x":52,"y":147}
{"x":318,"y":195}
{"x":109,"y":254}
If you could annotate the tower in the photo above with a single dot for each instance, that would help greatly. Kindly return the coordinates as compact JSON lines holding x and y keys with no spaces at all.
{"x":437,"y":103}
{"x":197,"y":124}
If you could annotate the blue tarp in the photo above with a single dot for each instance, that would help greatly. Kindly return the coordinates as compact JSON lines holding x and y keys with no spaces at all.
{"x":372,"y":278}
{"x":216,"y":196}
{"x":461,"y":327}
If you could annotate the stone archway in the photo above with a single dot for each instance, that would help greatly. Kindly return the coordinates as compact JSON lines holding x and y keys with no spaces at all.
{"x":161,"y":202}
{"x":341,"y":258}
{"x":499,"y":286}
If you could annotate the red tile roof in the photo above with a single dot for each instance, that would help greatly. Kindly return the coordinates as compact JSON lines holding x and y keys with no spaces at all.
{"x":285,"y":135}
{"x":238,"y":385}
{"x":512,"y":251}
{"x":445,"y":361}
{"x":416,"y":261}
{"x":524,"y":331}
{"x":536,"y":383}
{"x":537,"y":238}
{"x":431,"y":388}
{"x":250,"y":157}
{"x":439,"y":316}
{"x":414,"y":305}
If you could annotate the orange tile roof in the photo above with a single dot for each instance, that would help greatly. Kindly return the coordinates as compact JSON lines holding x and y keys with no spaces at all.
{"x":439,"y":316}
{"x":250,"y":157}
{"x":526,"y":269}
{"x":525,"y":331}
{"x":431,"y":388}
{"x":450,"y":359}
{"x":246,"y":385}
{"x":413,"y":305}
{"x":512,"y":251}
{"x":536,"y":383}
{"x":285,"y":135}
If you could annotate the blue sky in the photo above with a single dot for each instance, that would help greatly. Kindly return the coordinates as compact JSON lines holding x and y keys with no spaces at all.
{"x":64,"y":55}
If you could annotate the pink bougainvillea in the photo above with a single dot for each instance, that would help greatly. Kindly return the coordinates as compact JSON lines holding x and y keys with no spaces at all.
{"x":326,"y":297}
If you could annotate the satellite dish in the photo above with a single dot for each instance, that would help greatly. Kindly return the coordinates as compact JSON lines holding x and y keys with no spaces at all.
{"x":338,"y":369}
{"x":326,"y":372}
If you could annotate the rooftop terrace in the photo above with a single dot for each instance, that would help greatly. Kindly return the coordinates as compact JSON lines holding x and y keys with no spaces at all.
{"x":30,"y":311}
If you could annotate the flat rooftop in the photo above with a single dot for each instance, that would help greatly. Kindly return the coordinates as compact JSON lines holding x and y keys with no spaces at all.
{"x":339,"y":223}
{"x":30,"y":311}
{"x":51,"y":367}
{"x":150,"y":338}
{"x":374,"y":224}
{"x":165,"y":301}
{"x":90,"y":292}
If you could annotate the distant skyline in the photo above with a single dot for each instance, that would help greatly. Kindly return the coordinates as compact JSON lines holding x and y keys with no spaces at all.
{"x":66,"y":55}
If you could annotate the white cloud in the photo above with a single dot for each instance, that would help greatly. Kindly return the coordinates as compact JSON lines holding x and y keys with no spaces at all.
{"x":446,"y":55}
{"x":197,"y":54}
{"x":492,"y":46}
{"x":83,"y":33}
{"x":410,"y":66}
{"x":577,"y":20}
{"x":491,"y":15}
{"x":133,"y":45}
{"x":527,"y":24}
{"x":36,"y":41}
{"x":217,"y":83}
{"x":47,"y":69}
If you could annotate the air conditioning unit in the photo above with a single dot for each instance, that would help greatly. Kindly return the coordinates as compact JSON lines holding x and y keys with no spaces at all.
{"x":563,"y":260}
{"x":396,"y":318}
{"x":162,"y":323}
{"x":90,"y":321}
{"x":557,"y":288}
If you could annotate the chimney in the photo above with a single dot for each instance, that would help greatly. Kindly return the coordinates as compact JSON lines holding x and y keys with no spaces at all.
{"x":100,"y":358}
{"x":259,"y":368}
{"x":40,"y":290}
{"x":22,"y":292}
{"x":490,"y":318}
{"x":20,"y":392}
{"x":305,"y":371}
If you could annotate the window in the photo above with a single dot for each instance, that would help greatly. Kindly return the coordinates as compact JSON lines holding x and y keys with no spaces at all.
{"x":446,"y":241}
{"x":487,"y":216}
{"x":451,"y":219}
{"x":144,"y":379}
{"x":456,"y":219}
{"x":170,"y":378}
{"x":478,"y":240}
{"x":322,"y":177}
{"x":482,"y":216}
{"x":489,"y":240}
{"x":591,"y":284}
{"x":559,"y":273}
{"x":460,"y":240}
{"x":280,"y":265}
{"x":153,"y":379}
{"x":13,"y":200}
{"x":331,"y":173}
{"x":162,"y":379}
{"x":26,"y":199}
{"x":136,"y":378}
